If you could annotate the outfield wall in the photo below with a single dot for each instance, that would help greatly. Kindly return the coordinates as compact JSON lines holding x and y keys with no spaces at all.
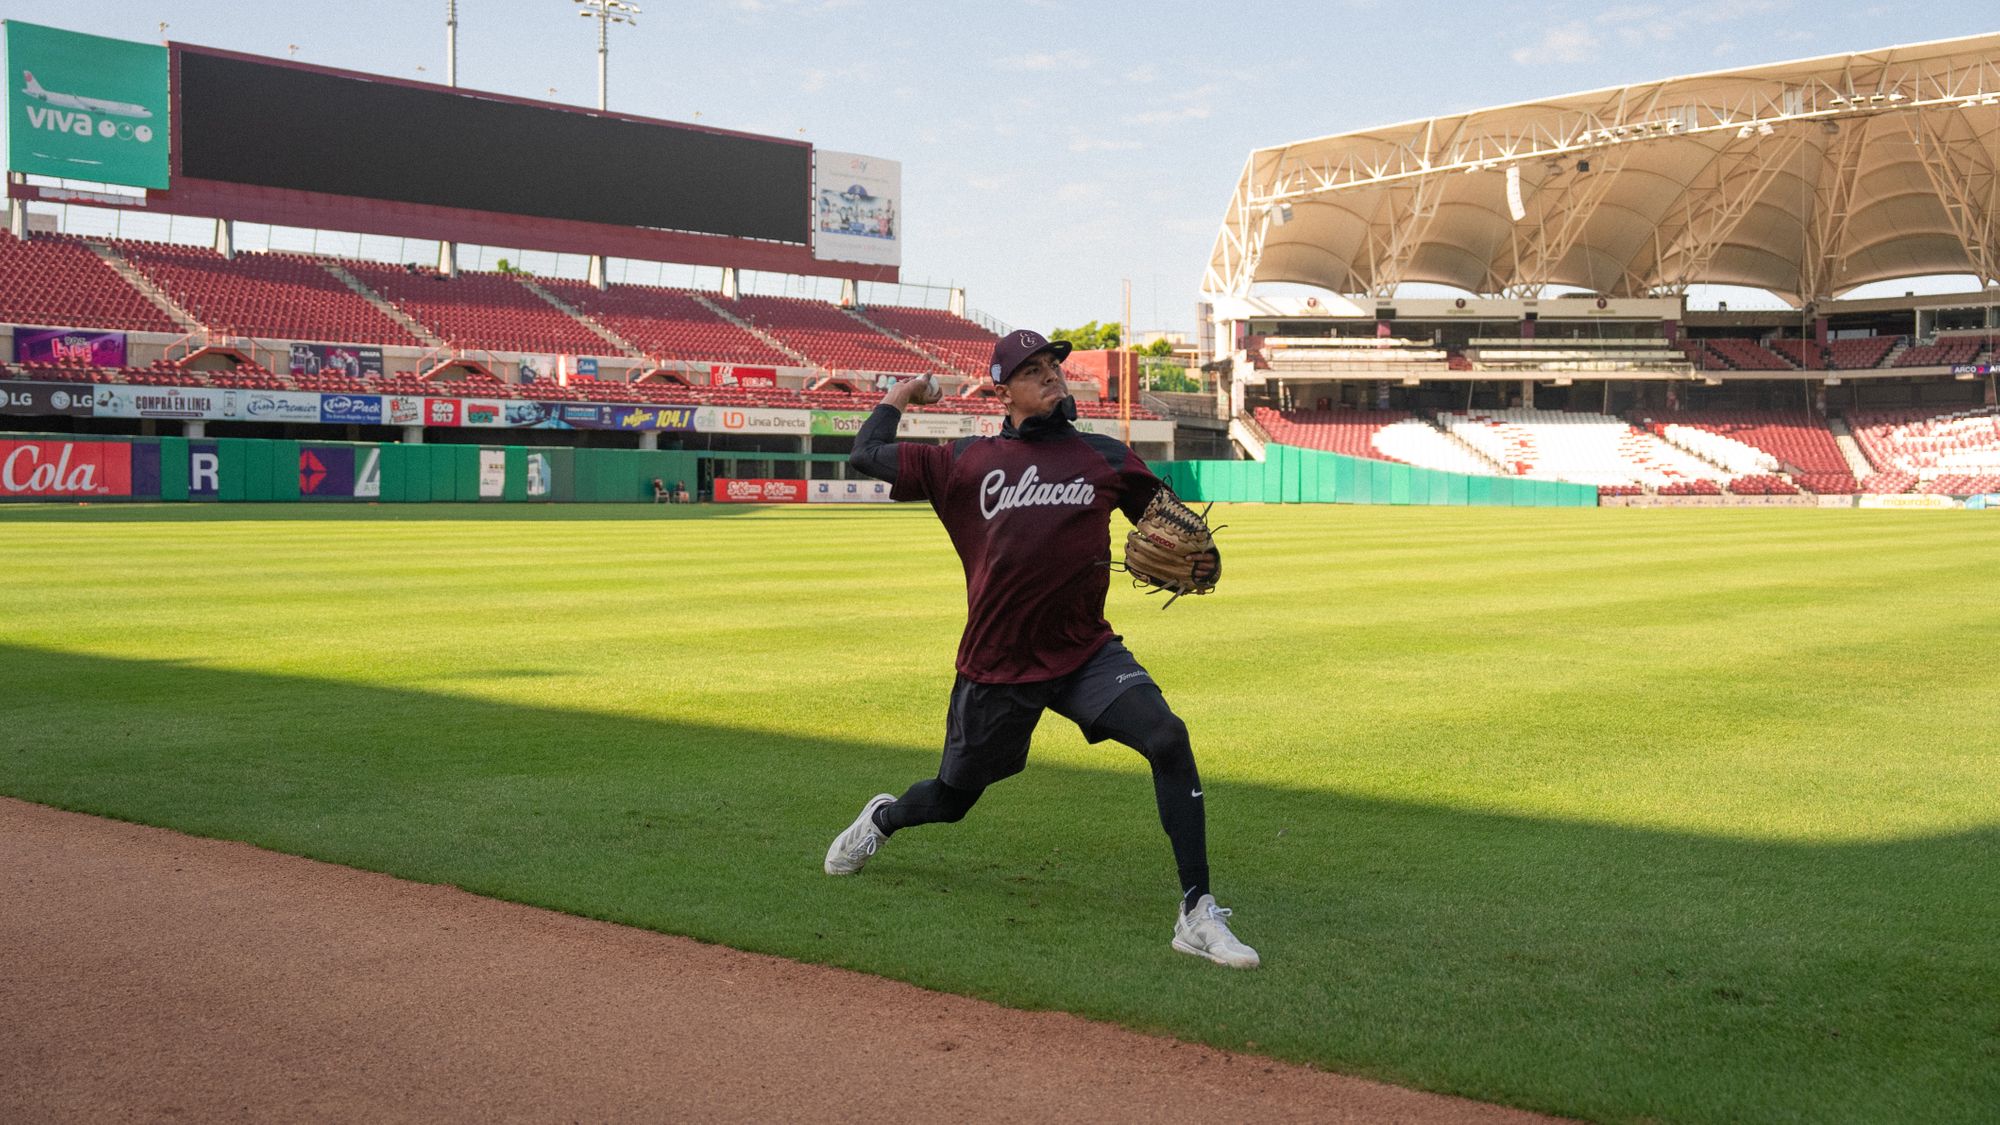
{"x":43,"y":467}
{"x":1290,"y":475}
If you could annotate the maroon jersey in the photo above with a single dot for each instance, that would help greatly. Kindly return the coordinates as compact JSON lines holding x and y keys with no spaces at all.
{"x":1031,"y":519}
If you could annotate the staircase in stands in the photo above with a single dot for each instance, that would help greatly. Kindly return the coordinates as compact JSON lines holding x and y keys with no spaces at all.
{"x":144,"y":285}
{"x":623,"y":345}
{"x":409,"y":323}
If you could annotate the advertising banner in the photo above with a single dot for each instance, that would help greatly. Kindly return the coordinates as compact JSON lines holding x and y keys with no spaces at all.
{"x":1985,"y":501}
{"x":277,"y":406}
{"x":402,"y":410}
{"x":326,"y":472}
{"x":351,"y":410}
{"x":753,"y":491}
{"x":353,"y":361}
{"x":69,"y":345}
{"x":1923,"y":501}
{"x":649,"y":418}
{"x":482,"y":412}
{"x":83,"y":107}
{"x":857,"y":208}
{"x":492,"y":474}
{"x":751,"y":420}
{"x":75,"y":470}
{"x":441,"y":412}
{"x":935,"y":426}
{"x":727,"y":375}
{"x":204,"y":471}
{"x":118,"y":401}
{"x":837,"y":423}
{"x":45,"y":399}
{"x":541,"y":476}
{"x":847,"y":492}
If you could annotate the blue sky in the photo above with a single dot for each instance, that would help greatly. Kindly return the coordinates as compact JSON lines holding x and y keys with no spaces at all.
{"x":1050,"y":148}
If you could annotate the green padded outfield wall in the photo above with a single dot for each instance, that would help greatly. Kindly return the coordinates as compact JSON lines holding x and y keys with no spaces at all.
{"x":1290,"y":475}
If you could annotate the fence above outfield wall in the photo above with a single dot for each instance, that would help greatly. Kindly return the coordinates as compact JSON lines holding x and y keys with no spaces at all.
{"x":1290,"y":475}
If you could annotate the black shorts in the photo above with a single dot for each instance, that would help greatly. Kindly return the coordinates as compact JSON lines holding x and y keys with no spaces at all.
{"x":986,"y":734}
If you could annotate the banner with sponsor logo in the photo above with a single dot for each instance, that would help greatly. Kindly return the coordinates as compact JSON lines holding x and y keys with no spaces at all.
{"x":118,"y":401}
{"x":837,"y":423}
{"x":84,"y":107}
{"x":279,"y":406}
{"x":351,"y":360}
{"x":1912,"y":501}
{"x":204,"y":471}
{"x":1985,"y":501}
{"x":847,"y":492}
{"x":541,"y":476}
{"x":78,"y":470}
{"x":402,"y":410}
{"x":483,"y":412}
{"x":441,"y":412}
{"x":751,"y":420}
{"x":333,"y":472}
{"x":755,"y":491}
{"x":45,"y":399}
{"x":857,"y":208}
{"x":69,"y":345}
{"x":492,"y":474}
{"x":729,"y":375}
{"x":935,"y":426}
{"x":351,"y":410}
{"x":648,"y":418}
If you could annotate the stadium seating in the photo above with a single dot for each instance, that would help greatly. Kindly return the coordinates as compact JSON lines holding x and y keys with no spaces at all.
{"x":1957,"y":447}
{"x":275,"y":296}
{"x":1351,"y":432}
{"x":964,"y":346}
{"x":1858,"y":353}
{"x":62,"y":283}
{"x":1960,"y":349}
{"x":1796,"y":442}
{"x":667,"y":324}
{"x":1581,"y":448}
{"x":827,"y":336}
{"x":1738,"y":354}
{"x":488,"y":311}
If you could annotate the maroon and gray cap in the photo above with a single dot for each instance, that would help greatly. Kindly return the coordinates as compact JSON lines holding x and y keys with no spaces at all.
{"x":1013,"y":349}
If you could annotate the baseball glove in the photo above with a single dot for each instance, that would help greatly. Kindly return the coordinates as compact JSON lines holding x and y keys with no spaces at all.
{"x":1172,"y":549}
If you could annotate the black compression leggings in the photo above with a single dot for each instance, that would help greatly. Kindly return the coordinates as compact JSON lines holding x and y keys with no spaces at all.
{"x":1141,"y":719}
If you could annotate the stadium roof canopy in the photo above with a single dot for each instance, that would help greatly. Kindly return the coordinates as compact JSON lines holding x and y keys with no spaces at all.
{"x":1804,"y":178}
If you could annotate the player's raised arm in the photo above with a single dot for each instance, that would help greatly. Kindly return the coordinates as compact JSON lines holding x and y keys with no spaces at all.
{"x":876,"y":451}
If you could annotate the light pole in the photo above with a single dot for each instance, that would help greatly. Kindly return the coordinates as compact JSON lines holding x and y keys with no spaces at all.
{"x":451,"y":42}
{"x":606,"y":13}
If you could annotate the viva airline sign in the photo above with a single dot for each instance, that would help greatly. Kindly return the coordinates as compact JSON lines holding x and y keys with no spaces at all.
{"x":84,"y":107}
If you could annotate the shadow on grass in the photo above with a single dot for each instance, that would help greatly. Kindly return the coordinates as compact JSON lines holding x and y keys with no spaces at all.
{"x":1588,"y":969}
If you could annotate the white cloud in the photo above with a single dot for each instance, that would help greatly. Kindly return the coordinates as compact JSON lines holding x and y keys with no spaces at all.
{"x":1045,"y":60}
{"x":1083,"y":191}
{"x":1146,"y":73}
{"x":1565,"y":43}
{"x":1102,"y":144}
{"x":1170,"y":116}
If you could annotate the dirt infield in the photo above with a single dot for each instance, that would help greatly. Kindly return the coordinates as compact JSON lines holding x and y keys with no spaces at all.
{"x":147,"y":975}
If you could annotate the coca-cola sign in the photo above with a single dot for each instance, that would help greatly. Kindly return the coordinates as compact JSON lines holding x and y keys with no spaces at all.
{"x":68,"y":469}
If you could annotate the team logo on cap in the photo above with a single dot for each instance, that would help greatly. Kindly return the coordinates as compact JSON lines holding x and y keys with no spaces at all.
{"x":1028,"y":339}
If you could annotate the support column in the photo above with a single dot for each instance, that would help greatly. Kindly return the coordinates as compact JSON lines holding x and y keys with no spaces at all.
{"x":448,"y":259}
{"x":1528,"y":394}
{"x":413,"y":435}
{"x":957,"y":305}
{"x":17,"y":219}
{"x":194,"y":428}
{"x":850,"y":294}
{"x":225,"y":238}
{"x":649,"y":439}
{"x":729,"y":283}
{"x":597,"y":272}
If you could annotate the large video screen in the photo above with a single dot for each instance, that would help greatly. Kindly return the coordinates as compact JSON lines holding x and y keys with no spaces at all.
{"x":256,"y":123}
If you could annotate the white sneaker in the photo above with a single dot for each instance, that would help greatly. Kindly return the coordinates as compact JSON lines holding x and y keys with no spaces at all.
{"x":850,"y":850}
{"x":1204,"y":932}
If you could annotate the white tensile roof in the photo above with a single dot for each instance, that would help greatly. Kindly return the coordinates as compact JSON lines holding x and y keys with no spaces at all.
{"x":1805,"y":178}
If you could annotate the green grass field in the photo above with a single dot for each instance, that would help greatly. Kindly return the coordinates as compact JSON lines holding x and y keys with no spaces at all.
{"x":1687,"y":815}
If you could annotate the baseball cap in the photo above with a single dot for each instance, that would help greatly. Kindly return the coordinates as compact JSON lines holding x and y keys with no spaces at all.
{"x":1013,"y":349}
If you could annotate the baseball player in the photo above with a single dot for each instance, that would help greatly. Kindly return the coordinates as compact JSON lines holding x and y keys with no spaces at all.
{"x":1029,"y":512}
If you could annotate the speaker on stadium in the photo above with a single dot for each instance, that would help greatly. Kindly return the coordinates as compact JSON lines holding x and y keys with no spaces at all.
{"x":1385,"y":314}
{"x":1583,"y":165}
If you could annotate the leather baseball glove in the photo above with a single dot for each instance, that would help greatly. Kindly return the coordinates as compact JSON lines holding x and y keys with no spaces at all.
{"x":1171,"y":548}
